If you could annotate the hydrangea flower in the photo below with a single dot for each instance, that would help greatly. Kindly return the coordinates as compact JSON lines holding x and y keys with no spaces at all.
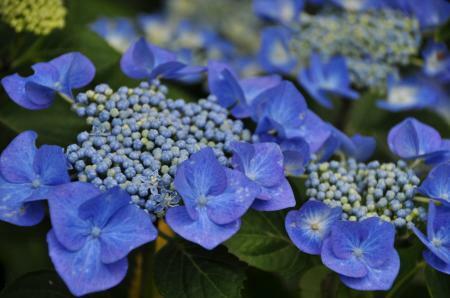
{"x":322,"y":79}
{"x":92,"y":234}
{"x":239,"y":95}
{"x":411,"y":93}
{"x":282,"y":110}
{"x":310,"y":225}
{"x":143,"y":60}
{"x":437,"y":183}
{"x":119,"y":33}
{"x":27,"y":175}
{"x":362,"y":253}
{"x":283,"y":11}
{"x":437,"y":240}
{"x":412,"y":139}
{"x":60,"y":75}
{"x":262,"y":163}
{"x":214,"y":199}
{"x":275,"y":54}
{"x":296,"y":155}
{"x":436,"y":61}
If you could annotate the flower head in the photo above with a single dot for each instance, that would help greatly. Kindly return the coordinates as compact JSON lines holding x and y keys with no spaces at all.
{"x":412,"y":93}
{"x":311,"y":224}
{"x":436,"y":61}
{"x":437,"y":183}
{"x":262,"y":163}
{"x":239,"y":95}
{"x":362,"y":253}
{"x":411,"y":139}
{"x":323,"y":79}
{"x":283,"y":11}
{"x":27,"y":175}
{"x":214,"y":199}
{"x":60,"y":75}
{"x":430,"y":14}
{"x":437,"y":240}
{"x":92,"y":234}
{"x":143,"y":60}
{"x":275,"y":54}
{"x":357,"y":5}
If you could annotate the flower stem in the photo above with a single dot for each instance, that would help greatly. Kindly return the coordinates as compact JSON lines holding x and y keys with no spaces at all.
{"x":66,"y":98}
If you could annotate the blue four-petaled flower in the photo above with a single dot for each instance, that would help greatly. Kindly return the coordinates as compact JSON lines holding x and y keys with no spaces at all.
{"x":27,"y":176}
{"x":437,"y":240}
{"x":92,"y":234}
{"x":362,"y":253}
{"x":310,"y":225}
{"x":60,"y":75}
{"x":412,"y":139}
{"x":143,"y":60}
{"x":214,"y":199}
{"x":262,"y":163}
{"x":323,"y":79}
{"x":275,"y":54}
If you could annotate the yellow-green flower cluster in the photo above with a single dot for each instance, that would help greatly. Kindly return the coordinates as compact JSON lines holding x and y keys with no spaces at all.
{"x":37,"y":16}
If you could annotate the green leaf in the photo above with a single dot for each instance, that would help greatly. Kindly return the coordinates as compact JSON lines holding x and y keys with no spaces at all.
{"x":263,"y":243}
{"x":188,"y":271}
{"x":40,"y":284}
{"x":312,"y":280}
{"x":438,"y":283}
{"x":57,"y":125}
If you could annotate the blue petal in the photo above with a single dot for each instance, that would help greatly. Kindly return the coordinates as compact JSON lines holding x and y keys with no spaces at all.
{"x":436,"y":262}
{"x":349,"y":266}
{"x":169,"y":70}
{"x":364,"y":147}
{"x":200,"y":175}
{"x":138,"y":61}
{"x":71,"y":230}
{"x":299,"y":223}
{"x":99,"y":210}
{"x":201,"y":231}
{"x":234,"y":201}
{"x":276,"y":198}
{"x":261,"y":162}
{"x":437,"y":183}
{"x":15,"y":88}
{"x":295,"y":156}
{"x":313,"y":130}
{"x":13,"y":206}
{"x":411,"y":138}
{"x":223,"y":83}
{"x":274,"y":54}
{"x":75,"y":70}
{"x":50,"y":164}
{"x":39,"y":95}
{"x":380,"y":278}
{"x":82,"y":270}
{"x":16,"y":161}
{"x":128,"y":229}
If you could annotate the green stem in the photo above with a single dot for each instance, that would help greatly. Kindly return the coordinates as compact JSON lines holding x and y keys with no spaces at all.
{"x":416,"y":163}
{"x":393,"y":292}
{"x":425,"y":200}
{"x":66,"y":98}
{"x":164,"y":236}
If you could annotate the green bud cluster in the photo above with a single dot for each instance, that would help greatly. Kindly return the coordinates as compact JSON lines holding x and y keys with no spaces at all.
{"x":37,"y":16}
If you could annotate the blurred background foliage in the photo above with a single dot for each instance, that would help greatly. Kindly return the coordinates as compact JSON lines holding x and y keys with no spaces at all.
{"x":279,"y":270}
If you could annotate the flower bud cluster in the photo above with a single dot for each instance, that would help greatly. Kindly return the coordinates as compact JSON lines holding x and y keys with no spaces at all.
{"x":374,"y":42}
{"x":37,"y":16}
{"x":364,"y":190}
{"x":138,"y":137}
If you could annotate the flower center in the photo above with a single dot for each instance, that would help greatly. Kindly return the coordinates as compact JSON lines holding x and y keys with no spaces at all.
{"x":357,"y":252}
{"x":36,"y":183}
{"x":436,"y":242}
{"x":315,"y":226}
{"x":202,"y":201}
{"x":96,"y":231}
